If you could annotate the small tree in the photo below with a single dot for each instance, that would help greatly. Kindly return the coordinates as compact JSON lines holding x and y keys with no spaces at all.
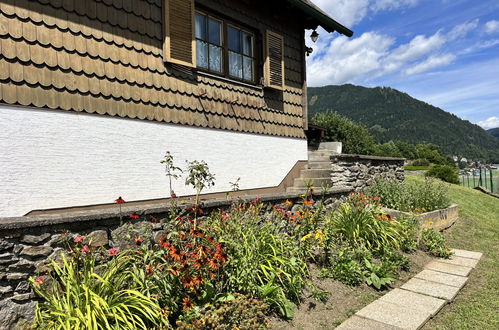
{"x":171,"y":171}
{"x":199,"y":177}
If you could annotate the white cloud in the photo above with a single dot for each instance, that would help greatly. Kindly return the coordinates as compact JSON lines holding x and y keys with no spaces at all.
{"x":492,"y":26}
{"x":461,"y":30}
{"x":351,"y":12}
{"x":433,"y":61}
{"x":489,"y":123}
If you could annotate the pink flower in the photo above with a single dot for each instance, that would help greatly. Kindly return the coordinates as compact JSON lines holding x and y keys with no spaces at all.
{"x":39,"y":280}
{"x":85,"y":249}
{"x":79,"y":239}
{"x":173,"y":195}
{"x":112,"y":252}
{"x":225,"y":217}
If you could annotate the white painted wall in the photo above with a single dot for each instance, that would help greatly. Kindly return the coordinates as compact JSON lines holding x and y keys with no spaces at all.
{"x":52,"y":159}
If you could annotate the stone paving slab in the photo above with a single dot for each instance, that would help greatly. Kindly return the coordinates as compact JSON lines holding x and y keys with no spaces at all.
{"x":394,"y":315}
{"x":460,"y":261}
{"x":357,"y":323}
{"x":467,"y":254}
{"x":420,"y":302}
{"x":449,"y":268}
{"x":443,"y":278}
{"x":433,"y":289}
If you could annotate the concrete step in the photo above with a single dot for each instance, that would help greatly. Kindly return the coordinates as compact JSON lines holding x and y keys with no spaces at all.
{"x":319,"y":165}
{"x":320,"y":155}
{"x":302,"y":190}
{"x":316,"y":182}
{"x":315,"y":173}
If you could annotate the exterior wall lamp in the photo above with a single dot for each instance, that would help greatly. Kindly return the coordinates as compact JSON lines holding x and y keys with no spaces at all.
{"x":314,"y":36}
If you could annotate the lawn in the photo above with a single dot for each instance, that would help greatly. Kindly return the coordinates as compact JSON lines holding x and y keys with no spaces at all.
{"x":477,"y":305}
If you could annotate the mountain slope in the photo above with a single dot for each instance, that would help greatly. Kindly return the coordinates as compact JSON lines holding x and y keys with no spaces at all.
{"x":494,"y":132}
{"x":392,"y":115}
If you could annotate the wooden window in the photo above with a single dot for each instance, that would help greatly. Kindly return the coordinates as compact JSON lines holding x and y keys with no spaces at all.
{"x":274,"y":61}
{"x":179,"y":45}
{"x":225,"y":48}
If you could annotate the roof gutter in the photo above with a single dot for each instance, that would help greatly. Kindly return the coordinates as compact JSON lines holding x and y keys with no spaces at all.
{"x":329,"y":24}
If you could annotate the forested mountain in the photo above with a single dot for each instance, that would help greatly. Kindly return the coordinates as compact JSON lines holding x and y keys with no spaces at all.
{"x":392,"y":115}
{"x":494,"y":132}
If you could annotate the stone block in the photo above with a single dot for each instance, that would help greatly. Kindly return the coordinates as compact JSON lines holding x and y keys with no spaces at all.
{"x":57,"y":240}
{"x":449,"y":268}
{"x":460,"y":261}
{"x":16,"y":316}
{"x":17,"y":276}
{"x":403,"y":317}
{"x":23,"y":287}
{"x":5,"y":289}
{"x":415,"y":300}
{"x":443,"y":278}
{"x":467,"y":254}
{"x":22,"y":266}
{"x":97,"y":238}
{"x":35,"y":239}
{"x":433,"y":289}
{"x":356,"y":323}
{"x":36,"y":251}
{"x":5,"y":245}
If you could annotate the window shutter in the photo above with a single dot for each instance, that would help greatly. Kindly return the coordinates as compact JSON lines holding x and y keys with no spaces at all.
{"x":274,"y":61}
{"x":179,"y":44}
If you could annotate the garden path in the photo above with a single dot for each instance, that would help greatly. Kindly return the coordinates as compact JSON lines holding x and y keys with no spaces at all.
{"x":421,"y":298}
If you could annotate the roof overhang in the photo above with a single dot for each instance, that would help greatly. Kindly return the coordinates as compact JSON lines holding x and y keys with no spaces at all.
{"x":321,"y":18}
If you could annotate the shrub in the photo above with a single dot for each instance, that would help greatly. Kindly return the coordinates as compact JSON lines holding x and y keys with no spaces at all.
{"x":345,"y":267}
{"x":379,"y":276}
{"x":416,"y":197}
{"x":82,"y":297}
{"x":433,"y":242}
{"x":444,"y":172}
{"x":361,"y":224}
{"x":355,"y":137}
{"x":265,"y":262}
{"x":420,"y":162}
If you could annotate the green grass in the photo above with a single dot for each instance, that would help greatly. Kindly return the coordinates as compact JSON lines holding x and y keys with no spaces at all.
{"x":477,"y":305}
{"x":417,"y":168}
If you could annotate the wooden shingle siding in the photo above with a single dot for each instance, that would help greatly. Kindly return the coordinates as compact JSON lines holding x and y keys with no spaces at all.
{"x":106,"y":57}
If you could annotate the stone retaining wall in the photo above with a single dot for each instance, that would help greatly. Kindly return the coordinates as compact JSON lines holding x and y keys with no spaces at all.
{"x":27,"y":243}
{"x":357,"y":171}
{"x":438,"y":219}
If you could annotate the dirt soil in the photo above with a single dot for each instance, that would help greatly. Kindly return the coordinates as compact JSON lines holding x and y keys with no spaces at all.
{"x":343,"y":301}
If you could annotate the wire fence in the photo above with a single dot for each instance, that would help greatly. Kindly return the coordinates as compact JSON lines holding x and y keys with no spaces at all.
{"x":481,"y":177}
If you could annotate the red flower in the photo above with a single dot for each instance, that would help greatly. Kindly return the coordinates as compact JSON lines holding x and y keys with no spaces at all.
{"x":225,"y":217}
{"x":173,"y":195}
{"x":39,"y":280}
{"x":134,"y":216}
{"x":79,"y":239}
{"x":112,"y":252}
{"x":153,"y":219}
{"x":85,"y":249}
{"x":120,"y":200}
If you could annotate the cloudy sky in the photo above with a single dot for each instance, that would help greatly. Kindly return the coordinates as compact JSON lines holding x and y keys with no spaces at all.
{"x":444,"y":52}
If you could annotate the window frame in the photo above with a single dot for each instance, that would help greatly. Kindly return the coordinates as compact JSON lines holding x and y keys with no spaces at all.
{"x":226,"y":23}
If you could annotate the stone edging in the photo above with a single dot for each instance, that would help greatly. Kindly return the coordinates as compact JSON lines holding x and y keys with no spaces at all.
{"x":438,"y":219}
{"x":420,"y":299}
{"x":486,"y":191}
{"x":365,"y":157}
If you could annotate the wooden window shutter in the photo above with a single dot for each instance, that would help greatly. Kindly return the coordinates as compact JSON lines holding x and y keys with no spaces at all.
{"x":179,"y":43}
{"x":274,"y":61}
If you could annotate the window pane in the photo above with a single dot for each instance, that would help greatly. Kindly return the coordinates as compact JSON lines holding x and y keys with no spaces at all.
{"x":202,"y":54}
{"x":234,"y":40}
{"x":247,"y":44}
{"x":200,"y":26}
{"x":215,"y":29}
{"x":248,"y":68}
{"x":235,"y":65}
{"x":215,"y":58}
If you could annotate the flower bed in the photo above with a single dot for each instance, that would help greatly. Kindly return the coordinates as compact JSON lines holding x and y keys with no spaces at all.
{"x":438,"y":219}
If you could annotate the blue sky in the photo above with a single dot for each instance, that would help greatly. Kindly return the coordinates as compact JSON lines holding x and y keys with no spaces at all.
{"x":443,"y":52}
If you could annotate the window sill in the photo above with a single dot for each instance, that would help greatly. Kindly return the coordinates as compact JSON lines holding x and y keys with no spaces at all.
{"x":232,"y":81}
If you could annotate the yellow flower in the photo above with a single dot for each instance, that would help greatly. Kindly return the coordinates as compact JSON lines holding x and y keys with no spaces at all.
{"x":431,"y":223}
{"x":319,"y":235}
{"x":304,"y":238}
{"x":288,"y":202}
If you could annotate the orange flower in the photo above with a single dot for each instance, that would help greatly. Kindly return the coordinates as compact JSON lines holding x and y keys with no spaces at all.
{"x":149,"y":270}
{"x":309,"y":202}
{"x":187,"y":303}
{"x":120,"y":200}
{"x":174,"y":270}
{"x":188,"y":282}
{"x":134,"y":216}
{"x":214,"y":264}
{"x":139,"y":240}
{"x":288,"y":202}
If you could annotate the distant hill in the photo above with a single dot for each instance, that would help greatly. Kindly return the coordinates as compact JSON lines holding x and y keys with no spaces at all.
{"x":392,"y":115}
{"x":494,"y":132}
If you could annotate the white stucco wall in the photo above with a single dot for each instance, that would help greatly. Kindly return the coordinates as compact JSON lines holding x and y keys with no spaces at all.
{"x":52,"y":159}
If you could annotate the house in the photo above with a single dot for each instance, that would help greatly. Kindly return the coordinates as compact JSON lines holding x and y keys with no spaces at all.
{"x":93,"y":93}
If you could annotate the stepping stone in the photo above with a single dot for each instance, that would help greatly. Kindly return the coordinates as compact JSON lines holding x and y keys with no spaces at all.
{"x":460,"y":261}
{"x":442,"y":278}
{"x":417,"y":301}
{"x":356,"y":323}
{"x":467,"y":254}
{"x":433,"y":289}
{"x":394,"y":315}
{"x":449,"y":268}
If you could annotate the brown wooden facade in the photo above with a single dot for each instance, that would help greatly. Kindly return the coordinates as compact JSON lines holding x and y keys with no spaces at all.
{"x":107,"y":57}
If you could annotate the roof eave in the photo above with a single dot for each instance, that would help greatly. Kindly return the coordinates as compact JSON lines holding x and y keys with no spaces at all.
{"x":329,"y":24}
